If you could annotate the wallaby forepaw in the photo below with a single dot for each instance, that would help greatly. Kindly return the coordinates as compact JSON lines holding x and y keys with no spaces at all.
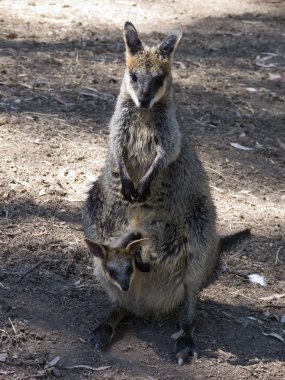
{"x":143,"y":191}
{"x":185,"y":346}
{"x":128,"y":190}
{"x":101,"y":337}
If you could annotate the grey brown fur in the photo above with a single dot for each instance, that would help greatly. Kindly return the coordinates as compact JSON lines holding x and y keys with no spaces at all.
{"x":154,"y":180}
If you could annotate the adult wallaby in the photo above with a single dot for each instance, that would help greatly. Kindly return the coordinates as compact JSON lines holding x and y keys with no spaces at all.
{"x":153,"y":175}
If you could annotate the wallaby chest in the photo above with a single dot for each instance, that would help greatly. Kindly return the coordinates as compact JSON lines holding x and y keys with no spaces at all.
{"x":140,"y":148}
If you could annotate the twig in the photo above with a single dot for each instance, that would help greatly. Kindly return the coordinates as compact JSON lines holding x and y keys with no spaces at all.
{"x":217,"y":189}
{"x":277,"y":260}
{"x":272,"y":297}
{"x":90,"y":91}
{"x":13,"y":327}
{"x":273,"y":306}
{"x":215,"y":171}
{"x":281,"y":144}
{"x":238,"y":253}
{"x":237,"y":273}
{"x":88,"y":367}
{"x":28,"y":271}
{"x":6,"y":372}
{"x":243,"y":295}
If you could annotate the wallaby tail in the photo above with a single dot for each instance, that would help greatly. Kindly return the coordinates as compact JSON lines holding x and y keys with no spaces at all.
{"x":226,"y":242}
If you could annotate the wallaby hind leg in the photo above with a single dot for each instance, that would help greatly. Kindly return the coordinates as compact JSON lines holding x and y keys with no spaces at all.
{"x":103,"y":334}
{"x":185,"y":345}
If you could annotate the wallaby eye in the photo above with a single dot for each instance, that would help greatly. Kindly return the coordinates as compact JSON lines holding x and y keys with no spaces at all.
{"x":159,"y":80}
{"x":134,"y":77}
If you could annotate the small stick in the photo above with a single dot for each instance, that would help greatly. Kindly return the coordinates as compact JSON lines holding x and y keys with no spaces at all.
{"x":273,"y":306}
{"x":13,"y":327}
{"x":238,"y":253}
{"x":28,"y":271}
{"x":277,"y":260}
{"x":88,"y":367}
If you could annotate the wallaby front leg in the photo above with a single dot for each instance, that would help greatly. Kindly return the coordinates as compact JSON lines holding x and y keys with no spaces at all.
{"x":185,"y":345}
{"x":143,"y":190}
{"x":103,"y":334}
{"x":128,"y":190}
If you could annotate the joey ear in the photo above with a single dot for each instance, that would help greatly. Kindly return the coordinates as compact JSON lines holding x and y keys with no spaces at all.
{"x":169,"y":44}
{"x":98,"y":250}
{"x":134,"y":245}
{"x":132,"y":40}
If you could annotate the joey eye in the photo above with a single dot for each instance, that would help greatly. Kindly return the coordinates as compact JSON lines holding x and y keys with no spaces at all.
{"x":134,"y":77}
{"x":129,"y":269}
{"x":112,"y":273}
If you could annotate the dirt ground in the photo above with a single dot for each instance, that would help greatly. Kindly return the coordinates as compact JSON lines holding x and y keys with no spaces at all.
{"x":61,"y":65}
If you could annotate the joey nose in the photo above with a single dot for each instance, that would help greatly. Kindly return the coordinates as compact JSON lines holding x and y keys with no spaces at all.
{"x":125,"y":286}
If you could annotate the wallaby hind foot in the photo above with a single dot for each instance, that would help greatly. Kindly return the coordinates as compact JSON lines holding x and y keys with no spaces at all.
{"x":184,"y":347}
{"x":102,"y":335}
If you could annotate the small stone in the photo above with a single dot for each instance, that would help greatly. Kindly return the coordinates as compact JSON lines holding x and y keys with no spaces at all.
{"x":3,"y":357}
{"x":55,"y":372}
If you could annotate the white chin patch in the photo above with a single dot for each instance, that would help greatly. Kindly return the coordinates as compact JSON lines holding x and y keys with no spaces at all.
{"x":118,"y":286}
{"x":132,"y":93}
{"x":155,"y":99}
{"x":158,"y":95}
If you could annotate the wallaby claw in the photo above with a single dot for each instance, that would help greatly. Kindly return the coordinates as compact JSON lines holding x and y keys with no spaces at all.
{"x":143,"y":191}
{"x":128,"y":190}
{"x":101,"y":337}
{"x":185,"y":346}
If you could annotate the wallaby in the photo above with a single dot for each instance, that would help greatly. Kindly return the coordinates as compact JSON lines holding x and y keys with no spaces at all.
{"x":115,"y":268}
{"x":153,"y":173}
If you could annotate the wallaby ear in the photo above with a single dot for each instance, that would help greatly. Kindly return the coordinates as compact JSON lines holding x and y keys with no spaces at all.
{"x":132,"y":40}
{"x":169,"y":44}
{"x":98,"y":250}
{"x":134,"y":245}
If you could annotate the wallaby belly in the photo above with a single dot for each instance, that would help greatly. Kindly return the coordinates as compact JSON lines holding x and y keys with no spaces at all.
{"x":151,"y":293}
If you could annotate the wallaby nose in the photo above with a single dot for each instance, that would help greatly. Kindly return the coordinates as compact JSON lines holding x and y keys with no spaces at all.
{"x":144,"y":101}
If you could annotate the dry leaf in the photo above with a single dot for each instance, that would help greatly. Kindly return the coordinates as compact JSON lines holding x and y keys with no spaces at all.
{"x":91,"y":177}
{"x":274,"y":335}
{"x":42,"y":192}
{"x":239,"y":146}
{"x":276,"y":77}
{"x":260,"y":60}
{"x":256,"y":278}
{"x":11,"y":36}
{"x":251,"y":89}
{"x":53,"y":362}
{"x":181,"y":64}
{"x":178,"y":334}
